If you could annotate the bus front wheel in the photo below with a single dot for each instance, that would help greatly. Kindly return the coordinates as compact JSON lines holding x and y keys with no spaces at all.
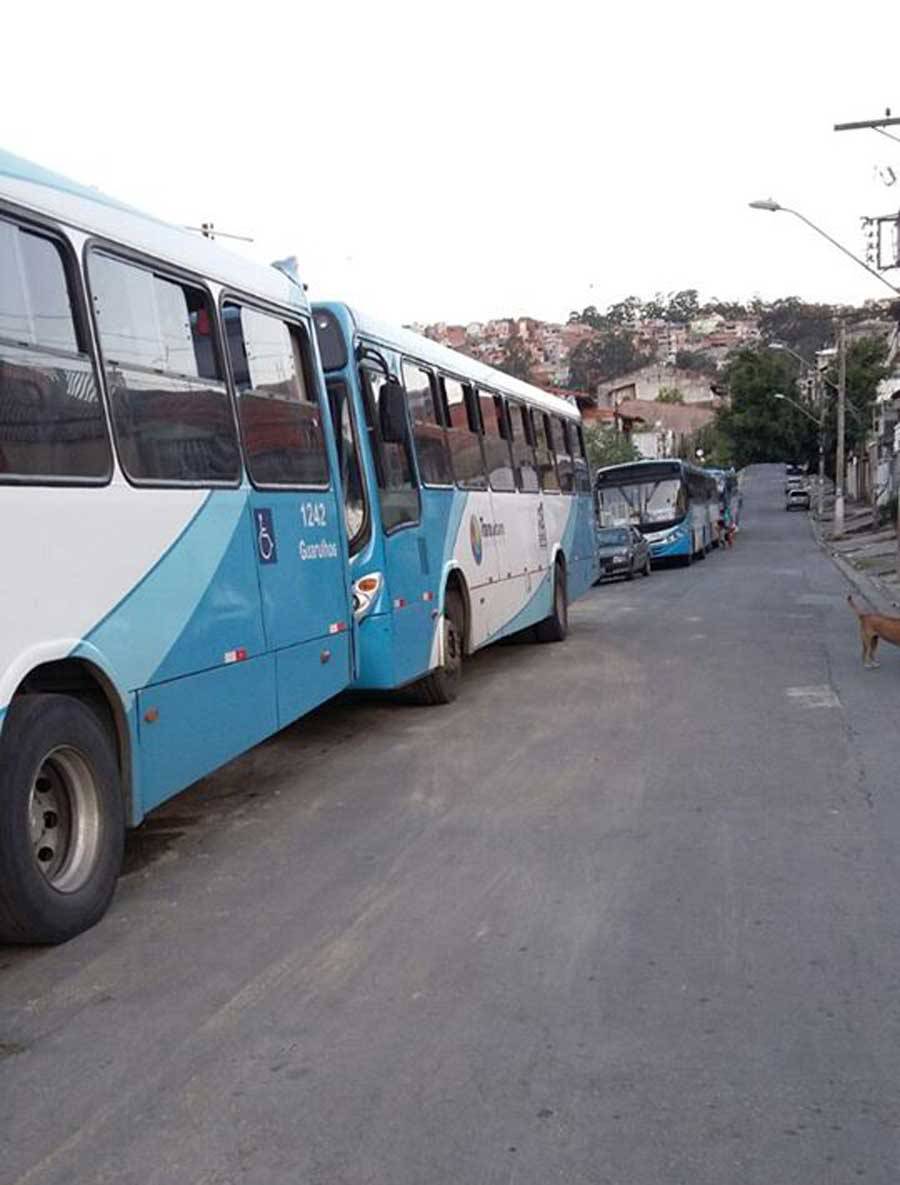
{"x":555,"y":627}
{"x":62,"y":823}
{"x":441,"y":686}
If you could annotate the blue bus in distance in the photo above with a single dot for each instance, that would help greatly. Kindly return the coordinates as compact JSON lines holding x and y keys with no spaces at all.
{"x":674,"y":505}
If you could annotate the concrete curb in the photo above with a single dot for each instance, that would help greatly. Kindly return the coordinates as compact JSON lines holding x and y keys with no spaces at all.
{"x":867,"y":586}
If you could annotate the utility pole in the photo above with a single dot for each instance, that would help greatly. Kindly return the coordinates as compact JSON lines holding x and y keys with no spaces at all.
{"x":819,"y":401}
{"x":839,"y":459}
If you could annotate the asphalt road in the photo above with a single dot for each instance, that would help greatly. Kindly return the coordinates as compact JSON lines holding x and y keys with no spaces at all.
{"x":626,"y":913}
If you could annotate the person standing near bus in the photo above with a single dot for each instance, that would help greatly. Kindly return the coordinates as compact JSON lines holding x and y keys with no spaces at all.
{"x":728,"y":524}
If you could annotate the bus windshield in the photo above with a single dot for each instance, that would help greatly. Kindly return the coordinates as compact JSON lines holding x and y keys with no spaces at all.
{"x":651,"y":505}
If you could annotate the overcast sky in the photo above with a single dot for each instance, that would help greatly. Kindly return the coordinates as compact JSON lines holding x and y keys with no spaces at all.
{"x":468,"y":160}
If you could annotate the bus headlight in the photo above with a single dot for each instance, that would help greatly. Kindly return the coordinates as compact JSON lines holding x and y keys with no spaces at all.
{"x":365,"y":593}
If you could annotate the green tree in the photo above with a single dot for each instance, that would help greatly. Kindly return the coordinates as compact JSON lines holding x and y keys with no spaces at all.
{"x":731,"y":310}
{"x":515,"y":358}
{"x":683,"y":306}
{"x":655,"y":309}
{"x":802,"y":326}
{"x":589,"y":316}
{"x":697,"y":361}
{"x":754,"y":425}
{"x":624,"y":312}
{"x":865,"y":370}
{"x":607,"y":446}
{"x":716,"y":448}
{"x":669,"y":395}
{"x":604,"y":358}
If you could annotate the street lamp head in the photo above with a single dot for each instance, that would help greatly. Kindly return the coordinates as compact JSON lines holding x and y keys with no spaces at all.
{"x":778,"y":395}
{"x":776,"y":345}
{"x":765,"y":204}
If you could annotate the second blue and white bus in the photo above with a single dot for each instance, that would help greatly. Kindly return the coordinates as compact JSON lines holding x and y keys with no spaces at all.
{"x":468,"y":501}
{"x":672,"y":503}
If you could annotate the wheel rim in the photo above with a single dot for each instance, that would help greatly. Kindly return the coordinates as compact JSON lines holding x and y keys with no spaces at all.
{"x":64,"y":819}
{"x":452,"y":647}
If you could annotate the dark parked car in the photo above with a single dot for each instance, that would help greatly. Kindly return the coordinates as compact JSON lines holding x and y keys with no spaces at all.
{"x":797,"y":498}
{"x":623,"y":551}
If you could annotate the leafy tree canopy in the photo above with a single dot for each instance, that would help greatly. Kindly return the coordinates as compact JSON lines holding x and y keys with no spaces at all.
{"x":515,"y":358}
{"x":696,"y":360}
{"x":606,"y":446}
{"x":802,"y":326}
{"x":604,"y":358}
{"x":755,"y":425}
{"x":865,"y":370}
{"x":669,"y":395}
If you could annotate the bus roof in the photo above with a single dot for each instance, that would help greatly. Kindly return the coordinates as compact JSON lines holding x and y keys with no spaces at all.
{"x":426,"y":350}
{"x":654,"y":465}
{"x":65,"y":201}
{"x":650,"y":467}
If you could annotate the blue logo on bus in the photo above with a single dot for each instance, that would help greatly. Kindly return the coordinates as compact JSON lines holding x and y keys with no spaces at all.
{"x":475,"y":538}
{"x":265,"y":535}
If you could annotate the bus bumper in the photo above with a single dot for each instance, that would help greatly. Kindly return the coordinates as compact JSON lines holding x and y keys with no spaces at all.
{"x":666,"y":548}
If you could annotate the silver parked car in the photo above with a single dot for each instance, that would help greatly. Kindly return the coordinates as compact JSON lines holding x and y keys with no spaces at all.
{"x":797,"y":497}
{"x":623,"y":551}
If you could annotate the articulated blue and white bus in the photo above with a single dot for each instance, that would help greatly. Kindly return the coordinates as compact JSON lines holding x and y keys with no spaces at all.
{"x":184,"y":569}
{"x":468,"y":501}
{"x":673,"y":504}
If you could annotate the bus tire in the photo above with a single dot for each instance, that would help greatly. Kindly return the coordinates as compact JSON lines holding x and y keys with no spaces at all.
{"x":555,"y":627}
{"x":62,"y":819}
{"x":441,"y":686}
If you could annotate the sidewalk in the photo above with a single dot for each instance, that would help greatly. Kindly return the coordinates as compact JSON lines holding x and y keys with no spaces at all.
{"x":865,"y":554}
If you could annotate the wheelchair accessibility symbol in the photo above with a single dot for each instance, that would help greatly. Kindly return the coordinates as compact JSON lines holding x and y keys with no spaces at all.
{"x":265,"y":536}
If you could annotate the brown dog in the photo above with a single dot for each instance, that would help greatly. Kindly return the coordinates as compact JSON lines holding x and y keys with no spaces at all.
{"x":873,"y":626}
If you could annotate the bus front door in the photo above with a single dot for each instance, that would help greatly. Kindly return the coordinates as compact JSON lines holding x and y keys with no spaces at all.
{"x":294,"y":509}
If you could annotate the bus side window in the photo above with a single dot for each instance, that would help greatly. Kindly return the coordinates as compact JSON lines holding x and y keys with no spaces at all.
{"x":582,"y":469}
{"x":355,"y":509}
{"x":523,"y":452}
{"x":399,"y":494}
{"x":563,"y":449}
{"x":171,"y":413}
{"x":497,"y":459}
{"x":463,"y":435}
{"x":281,"y":421}
{"x":544,"y":453}
{"x":428,"y":431}
{"x":52,"y":426}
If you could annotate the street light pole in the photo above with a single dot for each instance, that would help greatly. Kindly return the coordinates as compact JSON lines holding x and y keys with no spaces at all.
{"x":820,"y":424}
{"x":773,"y":206}
{"x":819,"y":397}
{"x":839,"y":459}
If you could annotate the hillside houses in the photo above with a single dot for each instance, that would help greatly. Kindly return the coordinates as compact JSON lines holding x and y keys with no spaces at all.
{"x":649,"y":382}
{"x":548,"y":345}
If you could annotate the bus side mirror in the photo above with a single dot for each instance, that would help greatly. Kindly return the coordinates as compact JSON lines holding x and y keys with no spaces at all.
{"x":392,"y":412}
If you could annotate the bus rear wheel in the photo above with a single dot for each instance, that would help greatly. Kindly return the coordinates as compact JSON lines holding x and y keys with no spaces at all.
{"x":62,"y":823}
{"x":441,"y":686}
{"x":555,"y":627}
